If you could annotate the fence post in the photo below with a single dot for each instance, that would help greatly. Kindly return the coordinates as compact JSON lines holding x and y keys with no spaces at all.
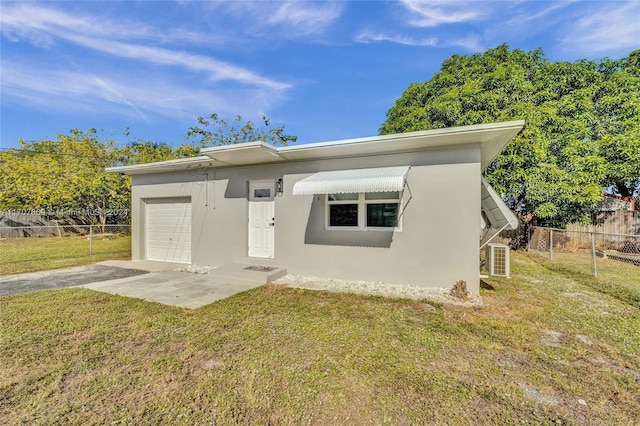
{"x":90,"y":240}
{"x":551,"y":244}
{"x":593,"y":251}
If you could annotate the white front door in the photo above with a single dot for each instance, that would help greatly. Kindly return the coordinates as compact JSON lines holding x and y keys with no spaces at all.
{"x":261,"y":219}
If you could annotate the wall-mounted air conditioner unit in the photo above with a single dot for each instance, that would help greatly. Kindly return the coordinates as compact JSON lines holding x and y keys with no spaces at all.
{"x":497,"y":257}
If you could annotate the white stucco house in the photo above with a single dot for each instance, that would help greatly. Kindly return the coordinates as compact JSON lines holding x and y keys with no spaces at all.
{"x":406,"y":209}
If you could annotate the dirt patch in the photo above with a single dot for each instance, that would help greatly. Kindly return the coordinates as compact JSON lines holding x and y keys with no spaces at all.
{"x":423,"y":307}
{"x":533,"y":393}
{"x":551,"y":338}
{"x":584,"y":339}
{"x":625,"y":370}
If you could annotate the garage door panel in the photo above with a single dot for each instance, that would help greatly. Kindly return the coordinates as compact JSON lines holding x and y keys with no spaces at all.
{"x":169,"y":230}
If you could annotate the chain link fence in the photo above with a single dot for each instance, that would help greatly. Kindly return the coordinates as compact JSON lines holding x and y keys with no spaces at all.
{"x":34,"y":248}
{"x":610,"y":257}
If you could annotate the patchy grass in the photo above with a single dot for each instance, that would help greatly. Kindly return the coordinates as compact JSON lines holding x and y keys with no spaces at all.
{"x":545,"y":349}
{"x":32,"y":254}
{"x":615,"y":278}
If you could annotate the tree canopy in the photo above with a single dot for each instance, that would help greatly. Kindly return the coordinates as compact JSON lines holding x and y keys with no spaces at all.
{"x":214,"y":131}
{"x":63,"y":175}
{"x":582,"y":125}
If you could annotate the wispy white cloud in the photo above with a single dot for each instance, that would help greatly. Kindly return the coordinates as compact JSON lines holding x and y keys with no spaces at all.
{"x":38,"y":23}
{"x":613,"y":27}
{"x":214,"y":69}
{"x":425,"y":16}
{"x":289,"y":19}
{"x":379,"y":36}
{"x":471,"y":43}
{"x":34,"y":21}
{"x":437,"y":12}
{"x":305,"y":17}
{"x":523,"y":13}
{"x":144,"y":85}
{"x":134,"y":96}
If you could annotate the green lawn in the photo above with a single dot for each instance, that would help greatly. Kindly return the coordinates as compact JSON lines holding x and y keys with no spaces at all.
{"x":19,"y":255}
{"x":616,"y":278}
{"x":545,"y":349}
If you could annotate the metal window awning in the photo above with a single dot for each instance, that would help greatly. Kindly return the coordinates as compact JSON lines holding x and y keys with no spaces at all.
{"x":496,"y":212}
{"x":499,"y":215}
{"x":380,"y":179}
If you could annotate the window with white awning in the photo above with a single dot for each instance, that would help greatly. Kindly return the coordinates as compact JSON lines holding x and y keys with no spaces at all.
{"x":359,"y":199}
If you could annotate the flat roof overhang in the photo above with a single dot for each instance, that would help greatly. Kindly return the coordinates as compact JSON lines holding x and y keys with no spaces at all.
{"x":491,"y":137}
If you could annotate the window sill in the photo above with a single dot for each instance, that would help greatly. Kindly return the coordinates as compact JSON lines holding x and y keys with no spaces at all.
{"x":372,"y":229}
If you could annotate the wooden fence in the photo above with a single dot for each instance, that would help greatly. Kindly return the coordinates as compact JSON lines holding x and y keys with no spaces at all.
{"x":611,"y":222}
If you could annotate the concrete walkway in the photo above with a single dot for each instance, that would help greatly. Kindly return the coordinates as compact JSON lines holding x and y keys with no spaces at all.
{"x":184,"y":289}
{"x":166,"y":283}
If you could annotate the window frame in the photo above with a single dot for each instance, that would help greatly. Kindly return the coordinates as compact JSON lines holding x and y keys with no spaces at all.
{"x":362,"y":203}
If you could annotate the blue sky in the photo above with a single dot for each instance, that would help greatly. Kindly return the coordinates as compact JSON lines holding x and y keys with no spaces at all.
{"x":326,"y":70}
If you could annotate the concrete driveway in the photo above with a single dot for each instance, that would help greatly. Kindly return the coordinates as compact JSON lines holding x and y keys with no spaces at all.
{"x":152,"y":281}
{"x":61,"y":278}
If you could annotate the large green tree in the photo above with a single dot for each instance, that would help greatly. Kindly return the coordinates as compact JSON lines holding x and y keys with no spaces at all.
{"x":581,"y":132}
{"x":62,"y":176}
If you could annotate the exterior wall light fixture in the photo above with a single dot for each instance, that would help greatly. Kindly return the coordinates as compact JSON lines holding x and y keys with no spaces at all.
{"x":279,"y":187}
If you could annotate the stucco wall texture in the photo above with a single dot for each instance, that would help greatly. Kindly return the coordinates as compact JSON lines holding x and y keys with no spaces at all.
{"x":437,"y":245}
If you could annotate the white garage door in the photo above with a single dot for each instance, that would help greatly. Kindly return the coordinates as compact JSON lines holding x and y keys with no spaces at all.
{"x":169,"y":229}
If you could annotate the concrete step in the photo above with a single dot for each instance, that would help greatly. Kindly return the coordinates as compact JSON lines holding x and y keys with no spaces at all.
{"x":256,"y":273}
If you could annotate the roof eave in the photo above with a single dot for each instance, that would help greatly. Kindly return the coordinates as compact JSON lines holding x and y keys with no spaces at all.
{"x":164,"y":166}
{"x":492,"y":138}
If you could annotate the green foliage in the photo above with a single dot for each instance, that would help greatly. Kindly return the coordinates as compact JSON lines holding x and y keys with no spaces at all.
{"x":63,"y":174}
{"x":225,"y":132}
{"x":582,"y":131}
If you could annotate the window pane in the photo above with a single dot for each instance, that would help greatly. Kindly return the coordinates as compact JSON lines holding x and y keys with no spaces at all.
{"x":383,"y":215}
{"x":382,"y":195}
{"x":342,"y":197}
{"x":343,"y":215}
{"x":262,"y":193}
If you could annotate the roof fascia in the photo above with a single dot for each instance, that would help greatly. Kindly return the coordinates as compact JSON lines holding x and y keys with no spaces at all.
{"x":165,"y":166}
{"x":492,"y":137}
